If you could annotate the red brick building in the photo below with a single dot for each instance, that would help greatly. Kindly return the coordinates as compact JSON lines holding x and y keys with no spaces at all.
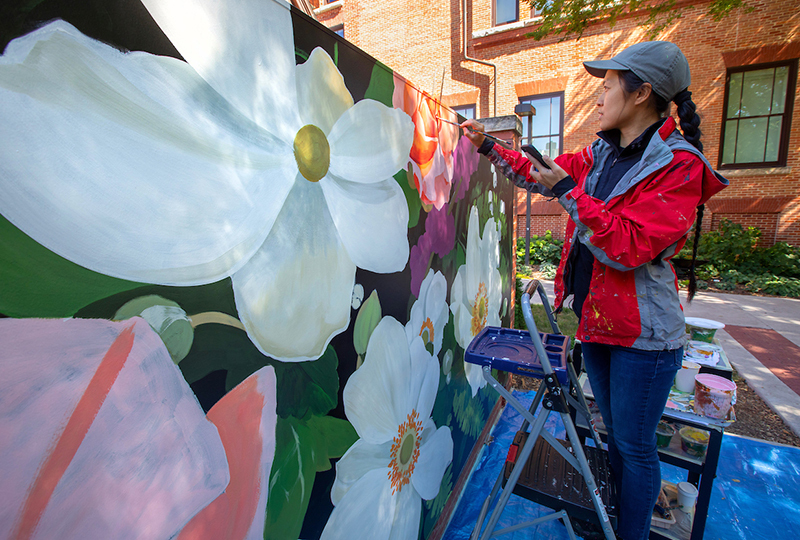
{"x":744,"y":81}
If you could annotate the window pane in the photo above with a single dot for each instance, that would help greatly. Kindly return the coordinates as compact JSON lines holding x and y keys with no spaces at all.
{"x":545,"y":126}
{"x":729,"y":146}
{"x":542,"y":121}
{"x":505,"y":11}
{"x":779,"y":98}
{"x":757,"y":92}
{"x":734,"y":95}
{"x":774,"y":138}
{"x":546,"y":145}
{"x":752,"y":140}
{"x":467,"y":111}
{"x":555,"y":114}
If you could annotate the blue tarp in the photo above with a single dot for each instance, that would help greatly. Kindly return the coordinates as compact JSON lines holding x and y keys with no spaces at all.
{"x":756,"y":494}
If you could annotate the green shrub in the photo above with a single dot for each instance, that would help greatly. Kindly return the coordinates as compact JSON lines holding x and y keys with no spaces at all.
{"x":735,"y":248}
{"x":543,"y":249}
{"x":776,"y":285}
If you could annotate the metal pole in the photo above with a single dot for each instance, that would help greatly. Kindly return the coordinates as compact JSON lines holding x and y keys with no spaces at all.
{"x":528,"y":230}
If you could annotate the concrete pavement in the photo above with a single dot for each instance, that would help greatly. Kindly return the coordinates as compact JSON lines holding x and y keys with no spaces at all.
{"x":779,"y":314}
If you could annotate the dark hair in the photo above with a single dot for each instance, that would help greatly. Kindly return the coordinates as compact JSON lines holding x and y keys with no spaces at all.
{"x":690,"y":126}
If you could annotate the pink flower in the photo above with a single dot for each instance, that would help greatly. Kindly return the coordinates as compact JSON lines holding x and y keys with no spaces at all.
{"x":434,"y":142}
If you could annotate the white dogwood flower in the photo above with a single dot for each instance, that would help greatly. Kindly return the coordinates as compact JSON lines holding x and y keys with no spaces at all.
{"x":476,"y":295}
{"x":400,"y":456}
{"x":235,"y":163}
{"x":429,"y":313}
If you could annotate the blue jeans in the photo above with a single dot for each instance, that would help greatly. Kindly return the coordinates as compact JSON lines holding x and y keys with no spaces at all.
{"x":631,"y":387}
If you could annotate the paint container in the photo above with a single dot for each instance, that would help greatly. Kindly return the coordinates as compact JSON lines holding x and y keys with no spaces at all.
{"x":713,"y":396}
{"x":702,"y":329}
{"x":694,"y":441}
{"x":664,"y":433}
{"x":687,"y":495}
{"x":684,"y":379}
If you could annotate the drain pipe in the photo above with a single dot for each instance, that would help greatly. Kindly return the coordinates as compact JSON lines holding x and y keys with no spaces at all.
{"x":484,"y":62}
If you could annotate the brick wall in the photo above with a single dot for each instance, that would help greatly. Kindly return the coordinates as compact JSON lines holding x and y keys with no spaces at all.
{"x":423,"y":40}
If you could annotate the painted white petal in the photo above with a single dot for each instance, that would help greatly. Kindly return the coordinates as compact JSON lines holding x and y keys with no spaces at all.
{"x":379,"y":395}
{"x":359,"y":459}
{"x":293,"y":296}
{"x":321,"y":93}
{"x":129,"y":164}
{"x":372,"y":220}
{"x":475,"y":256}
{"x":425,"y":370}
{"x":436,"y":308}
{"x":370,"y":142}
{"x":462,"y":317}
{"x":474,"y":377}
{"x":368,"y":506}
{"x":435,"y":454}
{"x":406,"y":515}
{"x":244,"y":49}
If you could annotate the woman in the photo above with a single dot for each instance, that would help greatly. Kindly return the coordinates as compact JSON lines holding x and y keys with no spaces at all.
{"x":632,"y":197}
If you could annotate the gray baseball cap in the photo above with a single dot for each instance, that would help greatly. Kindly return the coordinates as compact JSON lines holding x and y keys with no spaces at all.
{"x":660,"y":63}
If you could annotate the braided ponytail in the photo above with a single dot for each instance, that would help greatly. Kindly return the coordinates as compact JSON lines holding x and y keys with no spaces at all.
{"x":690,"y":126}
{"x":690,"y":121}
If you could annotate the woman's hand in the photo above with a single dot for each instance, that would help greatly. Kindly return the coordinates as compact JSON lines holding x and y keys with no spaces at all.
{"x":546,"y":177}
{"x":470,"y":127}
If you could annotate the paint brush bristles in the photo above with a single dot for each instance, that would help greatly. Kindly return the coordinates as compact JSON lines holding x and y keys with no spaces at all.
{"x":503,"y":141}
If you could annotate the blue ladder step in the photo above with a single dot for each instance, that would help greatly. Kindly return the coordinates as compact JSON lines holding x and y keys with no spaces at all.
{"x":511,"y":350}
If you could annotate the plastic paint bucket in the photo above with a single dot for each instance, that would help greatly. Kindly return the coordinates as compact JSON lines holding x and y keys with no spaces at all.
{"x":684,"y":379}
{"x":687,"y":495}
{"x":713,"y":395}
{"x":702,"y":329}
{"x":694,"y":441}
{"x":664,"y":433}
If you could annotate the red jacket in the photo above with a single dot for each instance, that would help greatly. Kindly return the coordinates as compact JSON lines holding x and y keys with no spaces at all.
{"x":633,"y":294}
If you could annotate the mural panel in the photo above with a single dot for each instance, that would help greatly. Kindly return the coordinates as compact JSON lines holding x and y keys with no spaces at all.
{"x":240,"y":261}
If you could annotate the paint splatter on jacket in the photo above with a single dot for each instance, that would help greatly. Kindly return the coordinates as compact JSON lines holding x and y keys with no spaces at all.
{"x":633,"y":295}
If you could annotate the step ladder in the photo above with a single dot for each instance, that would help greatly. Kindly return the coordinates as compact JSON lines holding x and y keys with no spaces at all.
{"x":572,"y":479}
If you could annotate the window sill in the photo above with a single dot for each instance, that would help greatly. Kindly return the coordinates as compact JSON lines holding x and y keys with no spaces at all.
{"x":328,"y":7}
{"x":505,"y":28}
{"x":741,"y":173}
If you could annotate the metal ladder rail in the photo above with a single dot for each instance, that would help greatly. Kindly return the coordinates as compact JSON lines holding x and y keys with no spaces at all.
{"x":579,"y":461}
{"x":572,"y":433}
{"x":579,"y":403}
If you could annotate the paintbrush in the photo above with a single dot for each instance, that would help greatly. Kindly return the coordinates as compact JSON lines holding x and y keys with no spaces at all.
{"x":507,"y":143}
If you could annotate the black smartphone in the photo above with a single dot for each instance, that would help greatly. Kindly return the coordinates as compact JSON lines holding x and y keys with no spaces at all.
{"x":528,"y":149}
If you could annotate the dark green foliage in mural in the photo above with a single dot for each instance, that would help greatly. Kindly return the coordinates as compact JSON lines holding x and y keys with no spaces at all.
{"x":381,"y":85}
{"x":302,"y":448}
{"x":35,"y":282}
{"x":307,"y":388}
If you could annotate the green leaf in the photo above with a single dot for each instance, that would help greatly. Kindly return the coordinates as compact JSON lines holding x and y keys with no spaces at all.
{"x":302,"y":448}
{"x":367,"y":319}
{"x":35,"y":282}
{"x":308,"y":388}
{"x":381,"y":85}
{"x":406,"y":181}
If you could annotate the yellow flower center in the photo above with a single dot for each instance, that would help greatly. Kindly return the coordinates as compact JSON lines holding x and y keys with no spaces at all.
{"x":426,"y":331}
{"x":405,"y":451}
{"x":479,"y":309}
{"x":312,"y":153}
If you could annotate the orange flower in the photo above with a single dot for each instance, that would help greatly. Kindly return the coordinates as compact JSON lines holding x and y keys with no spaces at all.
{"x":434,"y":141}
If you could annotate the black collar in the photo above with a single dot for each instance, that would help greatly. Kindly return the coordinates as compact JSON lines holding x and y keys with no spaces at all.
{"x":612,"y":137}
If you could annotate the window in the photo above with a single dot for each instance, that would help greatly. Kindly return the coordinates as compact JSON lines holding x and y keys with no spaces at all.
{"x":757,"y":121}
{"x":544,"y":130}
{"x":505,"y":11}
{"x":338,"y":29}
{"x":467,"y":111}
